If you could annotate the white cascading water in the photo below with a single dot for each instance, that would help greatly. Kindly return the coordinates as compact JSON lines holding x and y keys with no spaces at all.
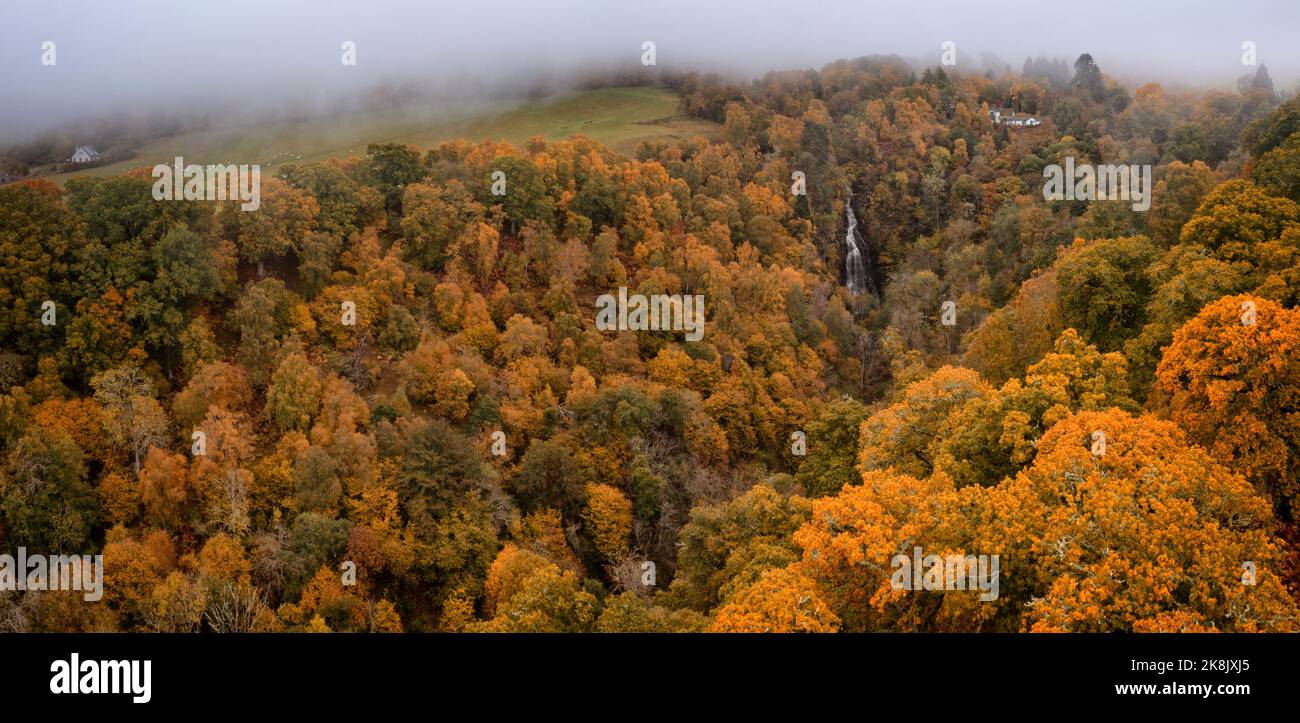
{"x":855,"y":269}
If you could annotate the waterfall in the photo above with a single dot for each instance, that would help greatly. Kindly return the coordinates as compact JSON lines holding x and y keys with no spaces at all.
{"x":855,"y":264}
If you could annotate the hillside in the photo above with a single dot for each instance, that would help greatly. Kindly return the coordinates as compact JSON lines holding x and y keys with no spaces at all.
{"x":620,"y":118}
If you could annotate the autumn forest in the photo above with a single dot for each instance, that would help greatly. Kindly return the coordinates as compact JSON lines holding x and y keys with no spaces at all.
{"x":383,"y":400}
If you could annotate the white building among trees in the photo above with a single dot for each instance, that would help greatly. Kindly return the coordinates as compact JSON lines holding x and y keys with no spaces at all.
{"x":84,"y":154}
{"x":1008,"y":117}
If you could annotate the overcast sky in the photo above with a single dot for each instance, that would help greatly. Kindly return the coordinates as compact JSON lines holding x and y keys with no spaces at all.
{"x":177,"y":54}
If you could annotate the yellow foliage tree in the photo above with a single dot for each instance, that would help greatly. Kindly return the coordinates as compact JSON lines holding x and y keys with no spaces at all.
{"x":608,"y":518}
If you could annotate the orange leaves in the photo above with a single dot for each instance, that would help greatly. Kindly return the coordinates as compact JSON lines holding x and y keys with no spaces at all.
{"x":120,"y":498}
{"x":79,"y":418}
{"x":675,"y":368}
{"x":542,"y":599}
{"x":1009,"y":340}
{"x":1150,"y":528}
{"x":782,"y":601}
{"x":608,"y":516}
{"x":900,"y":435}
{"x":40,"y":185}
{"x":629,"y":449}
{"x":542,"y":531}
{"x":850,"y":541}
{"x":507,"y":573}
{"x":758,"y":200}
{"x":217,"y":384}
{"x":1229,"y":384}
{"x":991,"y":437}
{"x":164,"y":488}
{"x":222,"y":558}
{"x":1149,"y":533}
{"x":785,"y":133}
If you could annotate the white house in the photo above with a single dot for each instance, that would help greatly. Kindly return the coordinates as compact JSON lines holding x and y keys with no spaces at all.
{"x":1007,"y":116}
{"x":84,"y":154}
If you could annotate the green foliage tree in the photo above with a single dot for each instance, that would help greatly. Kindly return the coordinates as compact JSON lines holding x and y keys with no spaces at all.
{"x":1103,"y":289}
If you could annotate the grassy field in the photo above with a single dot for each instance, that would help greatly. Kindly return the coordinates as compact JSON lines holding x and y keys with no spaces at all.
{"x":621,"y":118}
